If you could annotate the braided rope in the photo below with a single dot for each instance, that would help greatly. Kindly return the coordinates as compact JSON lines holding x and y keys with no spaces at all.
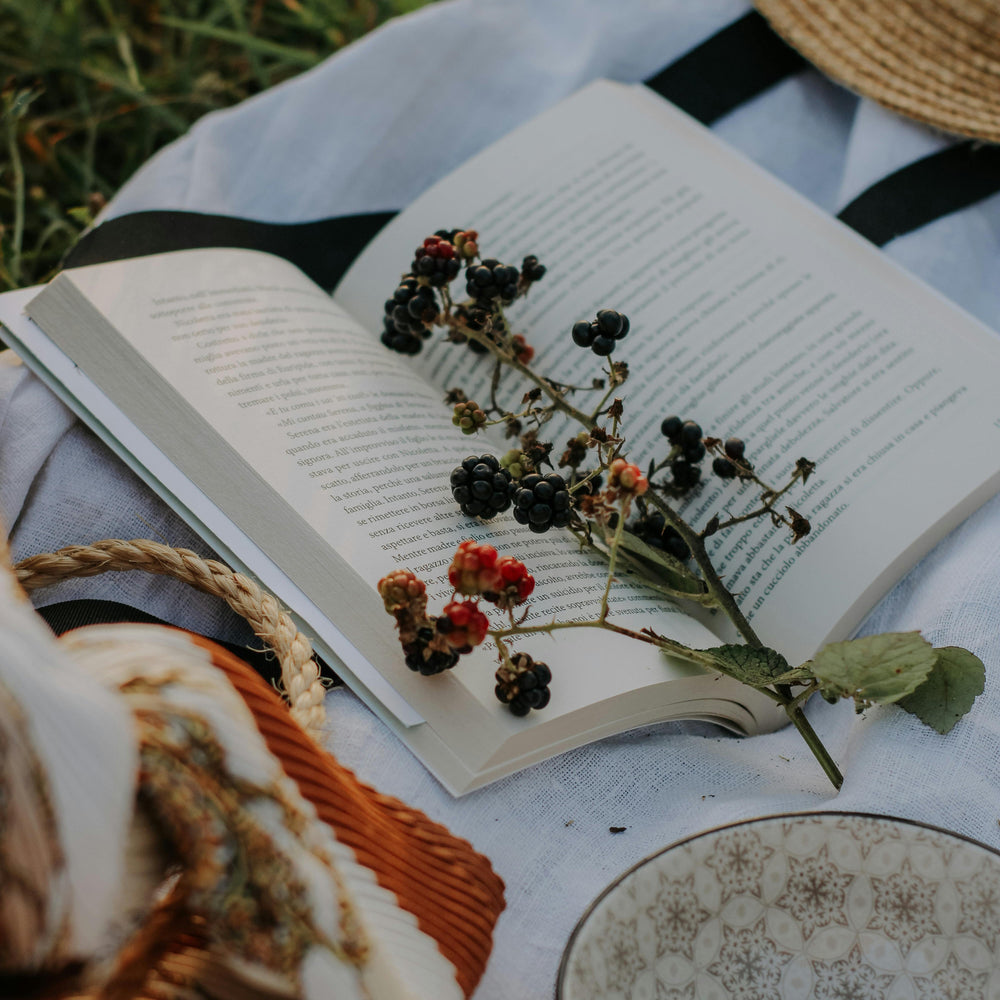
{"x":300,"y":677}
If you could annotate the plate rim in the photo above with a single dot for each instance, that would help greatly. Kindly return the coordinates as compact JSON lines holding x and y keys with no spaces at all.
{"x":795,"y":814}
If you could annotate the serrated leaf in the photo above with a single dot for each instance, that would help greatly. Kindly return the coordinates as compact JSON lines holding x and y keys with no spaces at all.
{"x":875,"y":668}
{"x":948,"y":693}
{"x":753,"y":665}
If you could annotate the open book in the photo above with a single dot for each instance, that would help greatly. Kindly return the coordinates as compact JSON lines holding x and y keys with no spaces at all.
{"x":272,"y":418}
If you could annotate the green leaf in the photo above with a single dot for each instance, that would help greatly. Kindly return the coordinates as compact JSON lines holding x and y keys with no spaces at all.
{"x":957,"y":678}
{"x":753,"y":665}
{"x":881,"y":668}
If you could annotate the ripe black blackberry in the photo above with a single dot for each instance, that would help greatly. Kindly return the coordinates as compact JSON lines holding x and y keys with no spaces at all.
{"x":408,"y":315}
{"x":602,"y":333}
{"x":723,"y":468}
{"x":436,"y":261}
{"x":531,"y":270}
{"x":542,"y":502}
{"x":490,"y":282}
{"x":481,"y":486}
{"x":424,"y":659}
{"x":690,"y":434}
{"x":670,"y":428}
{"x":728,"y":466}
{"x":524,"y":684}
{"x":475,"y":319}
{"x":653,"y":529}
{"x":685,"y":474}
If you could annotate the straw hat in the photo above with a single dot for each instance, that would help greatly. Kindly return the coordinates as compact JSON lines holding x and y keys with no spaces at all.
{"x":934,"y":60}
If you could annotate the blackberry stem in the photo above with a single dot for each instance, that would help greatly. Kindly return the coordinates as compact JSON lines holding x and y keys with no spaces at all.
{"x":613,"y":557}
{"x":600,"y":406}
{"x":712,"y":579}
{"x":793,"y":708}
{"x":667,"y":645}
{"x":767,"y":506}
{"x":557,"y":401}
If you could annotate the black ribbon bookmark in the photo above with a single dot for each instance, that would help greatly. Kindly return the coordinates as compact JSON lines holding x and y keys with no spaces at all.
{"x":66,"y":615}
{"x":925,"y":190}
{"x":736,"y":64}
{"x":324,"y":249}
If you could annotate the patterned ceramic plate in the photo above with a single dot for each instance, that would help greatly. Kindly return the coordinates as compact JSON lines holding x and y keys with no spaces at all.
{"x":821,"y":905}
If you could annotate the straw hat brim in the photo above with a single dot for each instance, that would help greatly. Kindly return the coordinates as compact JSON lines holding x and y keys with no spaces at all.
{"x":937,"y":61}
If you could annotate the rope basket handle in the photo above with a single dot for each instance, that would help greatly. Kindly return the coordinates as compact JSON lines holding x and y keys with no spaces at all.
{"x":300,"y":678}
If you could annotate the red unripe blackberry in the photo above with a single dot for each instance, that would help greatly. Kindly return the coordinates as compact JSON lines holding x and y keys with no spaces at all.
{"x":474,"y":569}
{"x":436,"y":261}
{"x":463,"y":625}
{"x":627,"y":477}
{"x":515,"y":586}
{"x":542,"y":502}
{"x":480,"y":486}
{"x":523,"y":351}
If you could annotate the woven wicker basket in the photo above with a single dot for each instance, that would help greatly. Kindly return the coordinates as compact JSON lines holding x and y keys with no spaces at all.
{"x":450,"y":890}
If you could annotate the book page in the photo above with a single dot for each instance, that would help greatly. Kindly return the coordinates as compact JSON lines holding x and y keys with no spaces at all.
{"x":751,"y":312}
{"x":333,"y":456}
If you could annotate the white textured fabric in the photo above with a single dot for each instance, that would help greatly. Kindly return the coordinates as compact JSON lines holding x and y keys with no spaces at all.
{"x":370,"y":129}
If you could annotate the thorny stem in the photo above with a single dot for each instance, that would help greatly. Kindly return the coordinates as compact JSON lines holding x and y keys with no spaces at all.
{"x":558,"y":402}
{"x":592,"y":419}
{"x":712,"y":579}
{"x":766,"y":508}
{"x":612,"y":559}
{"x":667,"y":645}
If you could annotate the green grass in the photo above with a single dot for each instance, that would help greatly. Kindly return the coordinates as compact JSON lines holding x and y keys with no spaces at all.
{"x":91,"y":88}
